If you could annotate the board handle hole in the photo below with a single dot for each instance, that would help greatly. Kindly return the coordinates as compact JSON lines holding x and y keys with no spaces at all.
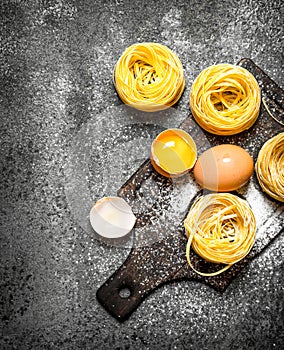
{"x":124,"y":292}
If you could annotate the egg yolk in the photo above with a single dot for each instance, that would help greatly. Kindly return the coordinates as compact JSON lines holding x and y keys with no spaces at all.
{"x":174,"y":151}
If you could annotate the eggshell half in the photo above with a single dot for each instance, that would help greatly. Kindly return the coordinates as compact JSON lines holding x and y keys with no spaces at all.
{"x":223,"y":168}
{"x":112,"y":217}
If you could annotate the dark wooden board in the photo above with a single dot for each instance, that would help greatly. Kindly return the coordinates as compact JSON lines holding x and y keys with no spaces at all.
{"x":161,"y":258}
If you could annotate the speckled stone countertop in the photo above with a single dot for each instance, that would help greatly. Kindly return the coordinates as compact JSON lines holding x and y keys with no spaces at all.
{"x":56,"y":62}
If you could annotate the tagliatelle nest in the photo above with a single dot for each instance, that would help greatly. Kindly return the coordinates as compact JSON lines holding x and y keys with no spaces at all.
{"x":221,"y":228}
{"x":225,"y":99}
{"x":270,"y":167}
{"x":149,"y":77}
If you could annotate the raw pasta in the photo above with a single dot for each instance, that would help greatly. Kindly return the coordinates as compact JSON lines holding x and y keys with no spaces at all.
{"x":221,"y":228}
{"x":149,"y":77}
{"x":225,"y":99}
{"x":270,"y":167}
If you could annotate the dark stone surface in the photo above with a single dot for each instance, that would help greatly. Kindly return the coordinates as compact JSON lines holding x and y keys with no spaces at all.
{"x":56,"y":61}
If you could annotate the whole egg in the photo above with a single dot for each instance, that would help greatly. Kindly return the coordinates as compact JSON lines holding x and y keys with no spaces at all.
{"x":223,"y":168}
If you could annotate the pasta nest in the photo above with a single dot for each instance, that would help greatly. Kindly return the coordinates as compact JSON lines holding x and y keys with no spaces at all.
{"x":225,"y":99}
{"x":269,"y":167}
{"x":221,"y":228}
{"x":149,"y":77}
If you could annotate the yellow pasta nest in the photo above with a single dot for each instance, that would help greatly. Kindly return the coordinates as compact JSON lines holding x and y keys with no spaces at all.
{"x":221,"y":229}
{"x":149,"y":77}
{"x":225,"y":99}
{"x":270,"y":167}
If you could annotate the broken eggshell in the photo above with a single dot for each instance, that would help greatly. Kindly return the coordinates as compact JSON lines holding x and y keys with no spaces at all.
{"x":112,"y":217}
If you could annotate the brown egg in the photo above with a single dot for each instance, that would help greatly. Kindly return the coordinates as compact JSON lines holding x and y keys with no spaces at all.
{"x":223,"y":168}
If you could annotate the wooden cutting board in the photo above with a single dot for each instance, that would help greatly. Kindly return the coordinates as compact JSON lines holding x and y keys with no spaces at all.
{"x":158,"y":253}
